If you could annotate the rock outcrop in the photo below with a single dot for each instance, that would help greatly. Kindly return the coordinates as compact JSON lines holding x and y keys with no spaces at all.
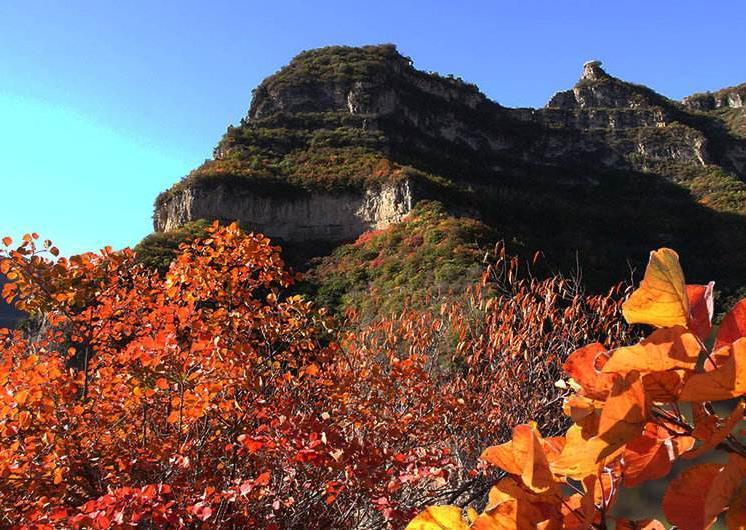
{"x":732,"y":97}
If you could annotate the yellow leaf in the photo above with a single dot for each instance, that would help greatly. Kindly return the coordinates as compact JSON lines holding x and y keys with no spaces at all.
{"x":439,"y":518}
{"x":661,"y":300}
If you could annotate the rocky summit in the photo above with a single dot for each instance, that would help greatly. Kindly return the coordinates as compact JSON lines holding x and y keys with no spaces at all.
{"x":345,"y":140}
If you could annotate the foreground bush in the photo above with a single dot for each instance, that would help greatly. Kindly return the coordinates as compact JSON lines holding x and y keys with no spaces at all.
{"x":211,"y":398}
{"x":635,"y":411}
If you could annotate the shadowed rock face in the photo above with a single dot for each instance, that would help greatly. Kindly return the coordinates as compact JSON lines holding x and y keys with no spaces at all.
{"x":343,"y":140}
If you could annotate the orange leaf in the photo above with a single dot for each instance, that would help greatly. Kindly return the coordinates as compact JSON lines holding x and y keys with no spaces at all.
{"x":21,"y":397}
{"x":573,"y":517}
{"x":502,"y":456}
{"x":600,"y":491}
{"x":725,"y":382}
{"x":263,"y":479}
{"x":717,"y":357}
{"x":661,"y":300}
{"x":705,"y":421}
{"x":719,"y":434}
{"x":649,"y":456}
{"x":580,"y":407}
{"x":625,"y":411}
{"x":582,"y":366}
{"x":664,"y":386}
{"x":584,"y":454}
{"x":524,"y":455}
{"x":511,"y":506}
{"x":735,"y":519}
{"x":664,"y":349}
{"x":685,"y":499}
{"x":7,"y":241}
{"x":312,"y":369}
{"x":725,"y":485}
{"x":510,"y":515}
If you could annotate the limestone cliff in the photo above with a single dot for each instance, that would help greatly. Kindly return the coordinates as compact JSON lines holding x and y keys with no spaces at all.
{"x":340,"y":216}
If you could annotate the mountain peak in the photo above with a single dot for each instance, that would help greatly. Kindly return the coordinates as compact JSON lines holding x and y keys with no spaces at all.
{"x":597,"y":89}
{"x":358,"y":80}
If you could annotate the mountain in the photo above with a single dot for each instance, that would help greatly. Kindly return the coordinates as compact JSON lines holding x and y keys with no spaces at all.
{"x":343,"y":141}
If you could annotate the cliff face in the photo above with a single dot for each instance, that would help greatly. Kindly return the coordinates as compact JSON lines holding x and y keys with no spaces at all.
{"x":340,"y":216}
{"x":343,"y":140}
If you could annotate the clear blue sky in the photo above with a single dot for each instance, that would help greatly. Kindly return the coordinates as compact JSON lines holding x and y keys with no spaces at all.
{"x":105,"y":103}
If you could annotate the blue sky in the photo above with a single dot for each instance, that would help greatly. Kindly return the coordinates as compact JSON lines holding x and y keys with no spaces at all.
{"x":105,"y":103}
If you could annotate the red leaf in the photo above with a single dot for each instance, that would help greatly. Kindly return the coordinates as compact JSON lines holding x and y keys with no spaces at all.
{"x":701,"y":308}
{"x":733,"y":326}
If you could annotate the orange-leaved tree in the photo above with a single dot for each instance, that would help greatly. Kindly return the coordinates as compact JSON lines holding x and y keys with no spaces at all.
{"x":635,"y":410}
{"x":211,"y":397}
{"x":157,"y":401}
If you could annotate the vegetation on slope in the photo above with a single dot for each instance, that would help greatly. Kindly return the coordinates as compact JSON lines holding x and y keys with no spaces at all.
{"x":734,"y":118}
{"x":157,"y":250}
{"x":429,"y":256}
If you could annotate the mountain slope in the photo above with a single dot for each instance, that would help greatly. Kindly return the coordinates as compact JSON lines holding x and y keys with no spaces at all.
{"x":345,"y":140}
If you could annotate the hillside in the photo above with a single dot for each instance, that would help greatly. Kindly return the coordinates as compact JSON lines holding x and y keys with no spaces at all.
{"x":346,"y":140}
{"x":8,"y":314}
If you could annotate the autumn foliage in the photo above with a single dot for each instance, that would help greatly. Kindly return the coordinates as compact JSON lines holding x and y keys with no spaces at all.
{"x":211,"y":397}
{"x":635,"y":410}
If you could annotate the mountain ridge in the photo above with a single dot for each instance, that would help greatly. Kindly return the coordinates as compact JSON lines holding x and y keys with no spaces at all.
{"x":344,"y":140}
